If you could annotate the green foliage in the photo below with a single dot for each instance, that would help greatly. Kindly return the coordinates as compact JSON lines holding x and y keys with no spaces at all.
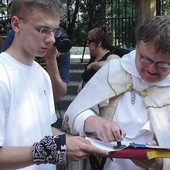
{"x":121,"y":18}
{"x":84,"y":15}
{"x":118,"y":14}
{"x":3,"y":8}
{"x":3,"y":23}
{"x":166,"y":7}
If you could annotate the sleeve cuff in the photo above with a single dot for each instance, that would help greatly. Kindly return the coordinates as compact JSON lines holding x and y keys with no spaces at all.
{"x":79,"y":122}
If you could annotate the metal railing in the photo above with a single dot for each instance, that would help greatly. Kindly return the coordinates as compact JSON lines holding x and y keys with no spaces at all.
{"x":162,"y":7}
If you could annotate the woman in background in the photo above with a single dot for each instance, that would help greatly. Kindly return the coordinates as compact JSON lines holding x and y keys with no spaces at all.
{"x":99,"y":41}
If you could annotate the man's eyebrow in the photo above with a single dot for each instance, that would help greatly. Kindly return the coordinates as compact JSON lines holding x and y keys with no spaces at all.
{"x":46,"y":26}
{"x":143,"y":55}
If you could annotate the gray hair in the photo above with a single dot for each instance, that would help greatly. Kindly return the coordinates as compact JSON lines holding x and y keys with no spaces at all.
{"x":156,"y":32}
{"x":26,"y":7}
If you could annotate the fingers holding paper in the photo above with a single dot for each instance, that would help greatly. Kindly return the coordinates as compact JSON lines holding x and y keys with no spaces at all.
{"x":153,"y":163}
{"x":80,"y":148}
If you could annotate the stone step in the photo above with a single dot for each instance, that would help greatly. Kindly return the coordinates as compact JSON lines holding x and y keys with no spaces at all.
{"x":72,"y":87}
{"x":60,"y":113}
{"x":79,"y":51}
{"x":66,"y":102}
{"x":77,"y":66}
{"x":75,"y":72}
{"x":75,"y":75}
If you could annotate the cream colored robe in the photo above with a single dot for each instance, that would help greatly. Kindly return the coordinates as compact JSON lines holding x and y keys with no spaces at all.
{"x":106,"y":84}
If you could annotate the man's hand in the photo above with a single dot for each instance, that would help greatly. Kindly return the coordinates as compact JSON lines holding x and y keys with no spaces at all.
{"x":153,"y":163}
{"x":51,"y":54}
{"x":80,"y":148}
{"x":105,"y":129}
{"x":91,"y":65}
{"x":96,"y":65}
{"x":110,"y":131}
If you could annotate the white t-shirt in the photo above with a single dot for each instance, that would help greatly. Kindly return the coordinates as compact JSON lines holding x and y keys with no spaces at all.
{"x":26,"y":105}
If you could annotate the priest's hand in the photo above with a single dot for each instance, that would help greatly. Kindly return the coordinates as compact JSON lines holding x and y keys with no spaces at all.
{"x":153,"y":163}
{"x":104,"y":129}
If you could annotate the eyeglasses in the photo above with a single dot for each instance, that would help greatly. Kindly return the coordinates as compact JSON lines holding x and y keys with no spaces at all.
{"x":89,"y":41}
{"x":45,"y":31}
{"x":146,"y":60}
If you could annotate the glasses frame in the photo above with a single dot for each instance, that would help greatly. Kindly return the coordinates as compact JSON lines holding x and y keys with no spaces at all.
{"x":89,"y":41}
{"x":148,"y":61}
{"x":45,"y":31}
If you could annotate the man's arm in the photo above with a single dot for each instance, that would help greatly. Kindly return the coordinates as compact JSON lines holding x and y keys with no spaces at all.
{"x":15,"y":157}
{"x":8,"y":41}
{"x":97,"y":65}
{"x":50,"y":149}
{"x":58,"y":85}
{"x":78,"y":147}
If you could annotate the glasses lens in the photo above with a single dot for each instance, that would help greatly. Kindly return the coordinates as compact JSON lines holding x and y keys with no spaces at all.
{"x":163,"y":65}
{"x":146,"y":60}
{"x":89,"y":41}
{"x":45,"y":31}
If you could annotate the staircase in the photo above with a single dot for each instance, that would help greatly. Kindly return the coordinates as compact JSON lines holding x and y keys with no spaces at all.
{"x":76,"y":70}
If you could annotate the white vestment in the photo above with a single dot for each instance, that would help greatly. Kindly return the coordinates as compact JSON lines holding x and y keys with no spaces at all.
{"x":150,"y":117}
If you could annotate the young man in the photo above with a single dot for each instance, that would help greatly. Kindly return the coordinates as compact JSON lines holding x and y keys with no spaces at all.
{"x":56,"y":66}
{"x":129,"y":98}
{"x":26,"y":99}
